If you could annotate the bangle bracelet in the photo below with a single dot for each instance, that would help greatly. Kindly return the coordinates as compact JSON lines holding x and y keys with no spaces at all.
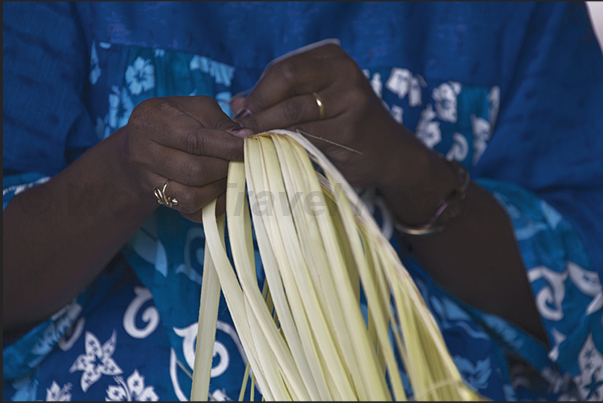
{"x":450,"y":207}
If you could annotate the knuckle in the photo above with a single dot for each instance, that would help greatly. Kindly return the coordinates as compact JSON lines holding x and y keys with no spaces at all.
{"x":192,"y":172}
{"x":256,"y":102}
{"x":147,"y":111}
{"x":223,"y":124}
{"x":139,"y":115}
{"x":289,"y":70}
{"x":194,"y":144}
{"x":161,"y":104}
{"x":206,"y":101}
{"x":293,"y":110}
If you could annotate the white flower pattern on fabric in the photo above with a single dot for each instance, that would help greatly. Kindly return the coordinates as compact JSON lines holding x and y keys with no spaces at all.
{"x":402,"y":82}
{"x":397,"y":113}
{"x":57,"y":394}
{"x":97,"y":360}
{"x":481,"y":135}
{"x":140,"y":76}
{"x":590,"y":380}
{"x":551,"y":294}
{"x":399,"y":82}
{"x":221,"y":72}
{"x":459,"y":149}
{"x":95,"y":70}
{"x":428,"y":131}
{"x":120,"y":107}
{"x":377,"y":84}
{"x":494,"y":100}
{"x":446,"y":104}
{"x":133,"y":389}
{"x":150,"y":315}
{"x":586,"y":281}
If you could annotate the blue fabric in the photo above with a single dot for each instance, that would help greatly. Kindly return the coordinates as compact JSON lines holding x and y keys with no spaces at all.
{"x":511,"y":90}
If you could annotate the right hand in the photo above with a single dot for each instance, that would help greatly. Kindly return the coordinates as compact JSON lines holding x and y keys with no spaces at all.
{"x":187,"y":139}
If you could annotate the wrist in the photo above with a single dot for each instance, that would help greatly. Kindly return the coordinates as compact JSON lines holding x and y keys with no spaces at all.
{"x":418,"y":184}
{"x":129,"y":182}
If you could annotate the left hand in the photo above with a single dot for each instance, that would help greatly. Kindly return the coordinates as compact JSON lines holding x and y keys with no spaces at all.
{"x":354,"y":116}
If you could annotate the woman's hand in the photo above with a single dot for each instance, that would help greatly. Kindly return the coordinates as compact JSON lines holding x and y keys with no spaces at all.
{"x":385,"y":155}
{"x":99,"y":201}
{"x":188,"y":140}
{"x":354,"y":116}
{"x":476,"y":257}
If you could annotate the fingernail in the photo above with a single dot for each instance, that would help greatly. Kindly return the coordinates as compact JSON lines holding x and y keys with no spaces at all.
{"x":243,"y":113}
{"x":240,"y":131}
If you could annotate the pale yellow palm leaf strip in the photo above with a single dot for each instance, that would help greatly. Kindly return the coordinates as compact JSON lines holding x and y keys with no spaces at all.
{"x":419,"y":324}
{"x":294,"y":270}
{"x":307,"y":237}
{"x":314,"y":264}
{"x":234,"y":297}
{"x":365,"y":352}
{"x":208,"y":316}
{"x":288,"y":308}
{"x":239,"y":226}
{"x":360,"y":370}
{"x":314,"y":244}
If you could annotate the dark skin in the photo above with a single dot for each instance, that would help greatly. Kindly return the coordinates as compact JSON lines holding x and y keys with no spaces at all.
{"x":186,"y":139}
{"x":183,"y":138}
{"x":476,"y":257}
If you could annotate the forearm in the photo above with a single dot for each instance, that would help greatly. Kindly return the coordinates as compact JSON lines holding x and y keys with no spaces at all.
{"x":51,"y":254}
{"x":476,"y":257}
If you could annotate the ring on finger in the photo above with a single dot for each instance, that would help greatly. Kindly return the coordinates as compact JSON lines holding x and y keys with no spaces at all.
{"x":321,"y":105}
{"x":164,"y":199}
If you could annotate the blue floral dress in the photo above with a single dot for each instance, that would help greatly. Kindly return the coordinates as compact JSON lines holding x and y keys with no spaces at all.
{"x":510,"y":90}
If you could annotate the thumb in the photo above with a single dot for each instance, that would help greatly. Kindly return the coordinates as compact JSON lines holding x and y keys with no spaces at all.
{"x":237,"y":104}
{"x":240,"y":131}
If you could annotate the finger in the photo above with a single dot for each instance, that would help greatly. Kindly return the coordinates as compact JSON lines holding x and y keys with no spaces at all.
{"x":187,"y":199}
{"x":205,"y":110}
{"x":332,"y":138}
{"x":299,"y":74}
{"x":196,"y":125}
{"x":197,"y":216}
{"x":190,"y":170}
{"x":326,"y":135}
{"x":296,"y":110}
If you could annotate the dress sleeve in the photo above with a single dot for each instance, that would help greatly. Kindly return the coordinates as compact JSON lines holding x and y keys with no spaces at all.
{"x":544,"y":165}
{"x":548,"y":134}
{"x":566,"y":289}
{"x":45,"y":68}
{"x":45,"y":126}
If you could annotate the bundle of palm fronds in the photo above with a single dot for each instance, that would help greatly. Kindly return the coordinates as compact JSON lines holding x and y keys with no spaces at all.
{"x":338,"y":314}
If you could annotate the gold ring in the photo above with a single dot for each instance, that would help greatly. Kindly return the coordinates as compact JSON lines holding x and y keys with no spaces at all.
{"x":162,"y":198}
{"x":321,"y":106}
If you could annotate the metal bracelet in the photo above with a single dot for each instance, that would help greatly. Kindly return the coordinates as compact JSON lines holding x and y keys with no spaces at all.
{"x":449,"y":208}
